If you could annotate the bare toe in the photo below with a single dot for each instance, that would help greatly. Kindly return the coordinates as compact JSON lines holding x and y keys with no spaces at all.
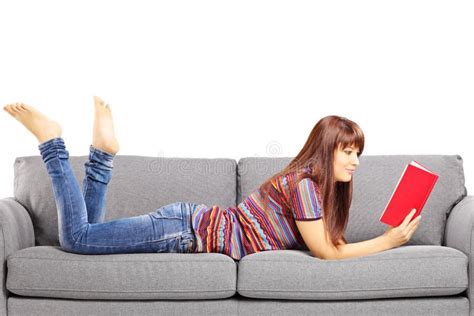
{"x":98,"y":100}
{"x":20,"y":108}
{"x":14,"y":109}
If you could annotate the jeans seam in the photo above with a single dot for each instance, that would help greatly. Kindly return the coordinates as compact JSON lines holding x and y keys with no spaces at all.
{"x":85,"y":194}
{"x":67,"y":188}
{"x":134,"y":244}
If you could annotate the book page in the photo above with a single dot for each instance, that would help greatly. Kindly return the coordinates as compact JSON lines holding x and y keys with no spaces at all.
{"x":415,"y":164}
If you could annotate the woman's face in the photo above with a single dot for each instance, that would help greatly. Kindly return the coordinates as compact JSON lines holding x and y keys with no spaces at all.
{"x":345,"y":163}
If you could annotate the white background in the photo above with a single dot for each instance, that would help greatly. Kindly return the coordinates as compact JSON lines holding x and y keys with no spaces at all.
{"x":220,"y":79}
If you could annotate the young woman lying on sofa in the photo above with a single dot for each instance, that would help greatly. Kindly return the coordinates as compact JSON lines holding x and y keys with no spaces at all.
{"x":305,"y":204}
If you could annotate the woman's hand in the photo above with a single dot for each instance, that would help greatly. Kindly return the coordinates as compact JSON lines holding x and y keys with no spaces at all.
{"x":398,"y":236}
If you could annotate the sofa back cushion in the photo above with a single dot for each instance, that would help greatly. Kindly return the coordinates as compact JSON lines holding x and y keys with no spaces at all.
{"x":139,"y":185}
{"x":374,"y":181}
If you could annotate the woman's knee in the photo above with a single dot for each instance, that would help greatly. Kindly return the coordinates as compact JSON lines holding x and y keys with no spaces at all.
{"x":71,"y":243}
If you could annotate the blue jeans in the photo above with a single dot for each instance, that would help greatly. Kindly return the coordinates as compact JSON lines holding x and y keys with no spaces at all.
{"x":81,"y":214}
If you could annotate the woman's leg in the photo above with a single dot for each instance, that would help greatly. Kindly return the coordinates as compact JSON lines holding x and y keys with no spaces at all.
{"x":166,"y":230}
{"x":76,"y":234}
{"x":98,"y":169}
{"x":98,"y":173}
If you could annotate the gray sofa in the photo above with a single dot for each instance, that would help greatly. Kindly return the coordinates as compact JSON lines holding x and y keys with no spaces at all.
{"x":429,"y":275}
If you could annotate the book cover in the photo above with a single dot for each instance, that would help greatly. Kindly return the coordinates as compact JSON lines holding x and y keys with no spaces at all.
{"x":412,"y":191}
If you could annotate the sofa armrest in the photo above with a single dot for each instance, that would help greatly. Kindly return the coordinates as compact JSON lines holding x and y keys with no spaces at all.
{"x":459,"y":234}
{"x":16,"y":232}
{"x":460,"y":225}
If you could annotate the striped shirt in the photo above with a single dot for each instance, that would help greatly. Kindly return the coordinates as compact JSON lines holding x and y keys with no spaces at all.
{"x":247,"y":228}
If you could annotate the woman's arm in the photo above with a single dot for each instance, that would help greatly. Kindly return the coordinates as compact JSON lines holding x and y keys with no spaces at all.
{"x":319,"y":244}
{"x":362,"y":248}
{"x":393,"y":237}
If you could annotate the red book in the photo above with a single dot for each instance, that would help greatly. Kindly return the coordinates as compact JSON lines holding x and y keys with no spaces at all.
{"x":413,"y":189}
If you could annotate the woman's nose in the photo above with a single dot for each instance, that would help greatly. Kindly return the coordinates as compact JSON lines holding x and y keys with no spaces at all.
{"x":355,"y":161}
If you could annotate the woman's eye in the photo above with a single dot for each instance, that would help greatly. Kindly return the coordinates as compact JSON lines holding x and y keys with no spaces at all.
{"x":347,"y":152}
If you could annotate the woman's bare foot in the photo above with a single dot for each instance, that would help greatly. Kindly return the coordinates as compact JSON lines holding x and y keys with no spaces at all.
{"x":36,"y":122}
{"x":103,"y":136}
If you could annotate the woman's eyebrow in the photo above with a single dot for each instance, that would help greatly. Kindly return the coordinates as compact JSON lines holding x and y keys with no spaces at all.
{"x":353,"y":148}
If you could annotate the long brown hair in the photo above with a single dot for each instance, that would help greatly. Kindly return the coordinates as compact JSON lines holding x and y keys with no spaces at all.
{"x":318,"y":154}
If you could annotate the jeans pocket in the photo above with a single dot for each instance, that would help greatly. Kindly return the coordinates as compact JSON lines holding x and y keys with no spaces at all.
{"x":170,"y":245}
{"x":170,"y":211}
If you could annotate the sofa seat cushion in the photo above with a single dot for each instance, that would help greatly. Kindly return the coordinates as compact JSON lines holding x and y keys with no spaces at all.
{"x":48,"y":271}
{"x":407,"y":271}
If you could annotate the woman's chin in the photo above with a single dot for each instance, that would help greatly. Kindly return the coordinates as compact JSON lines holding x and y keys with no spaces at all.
{"x":346,"y":179}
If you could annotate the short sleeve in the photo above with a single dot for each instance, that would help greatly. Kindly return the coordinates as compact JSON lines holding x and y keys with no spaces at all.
{"x":304,"y":203}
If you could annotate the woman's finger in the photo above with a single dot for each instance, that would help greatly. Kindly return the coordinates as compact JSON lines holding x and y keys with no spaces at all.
{"x":409,"y":217}
{"x":414,"y":222}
